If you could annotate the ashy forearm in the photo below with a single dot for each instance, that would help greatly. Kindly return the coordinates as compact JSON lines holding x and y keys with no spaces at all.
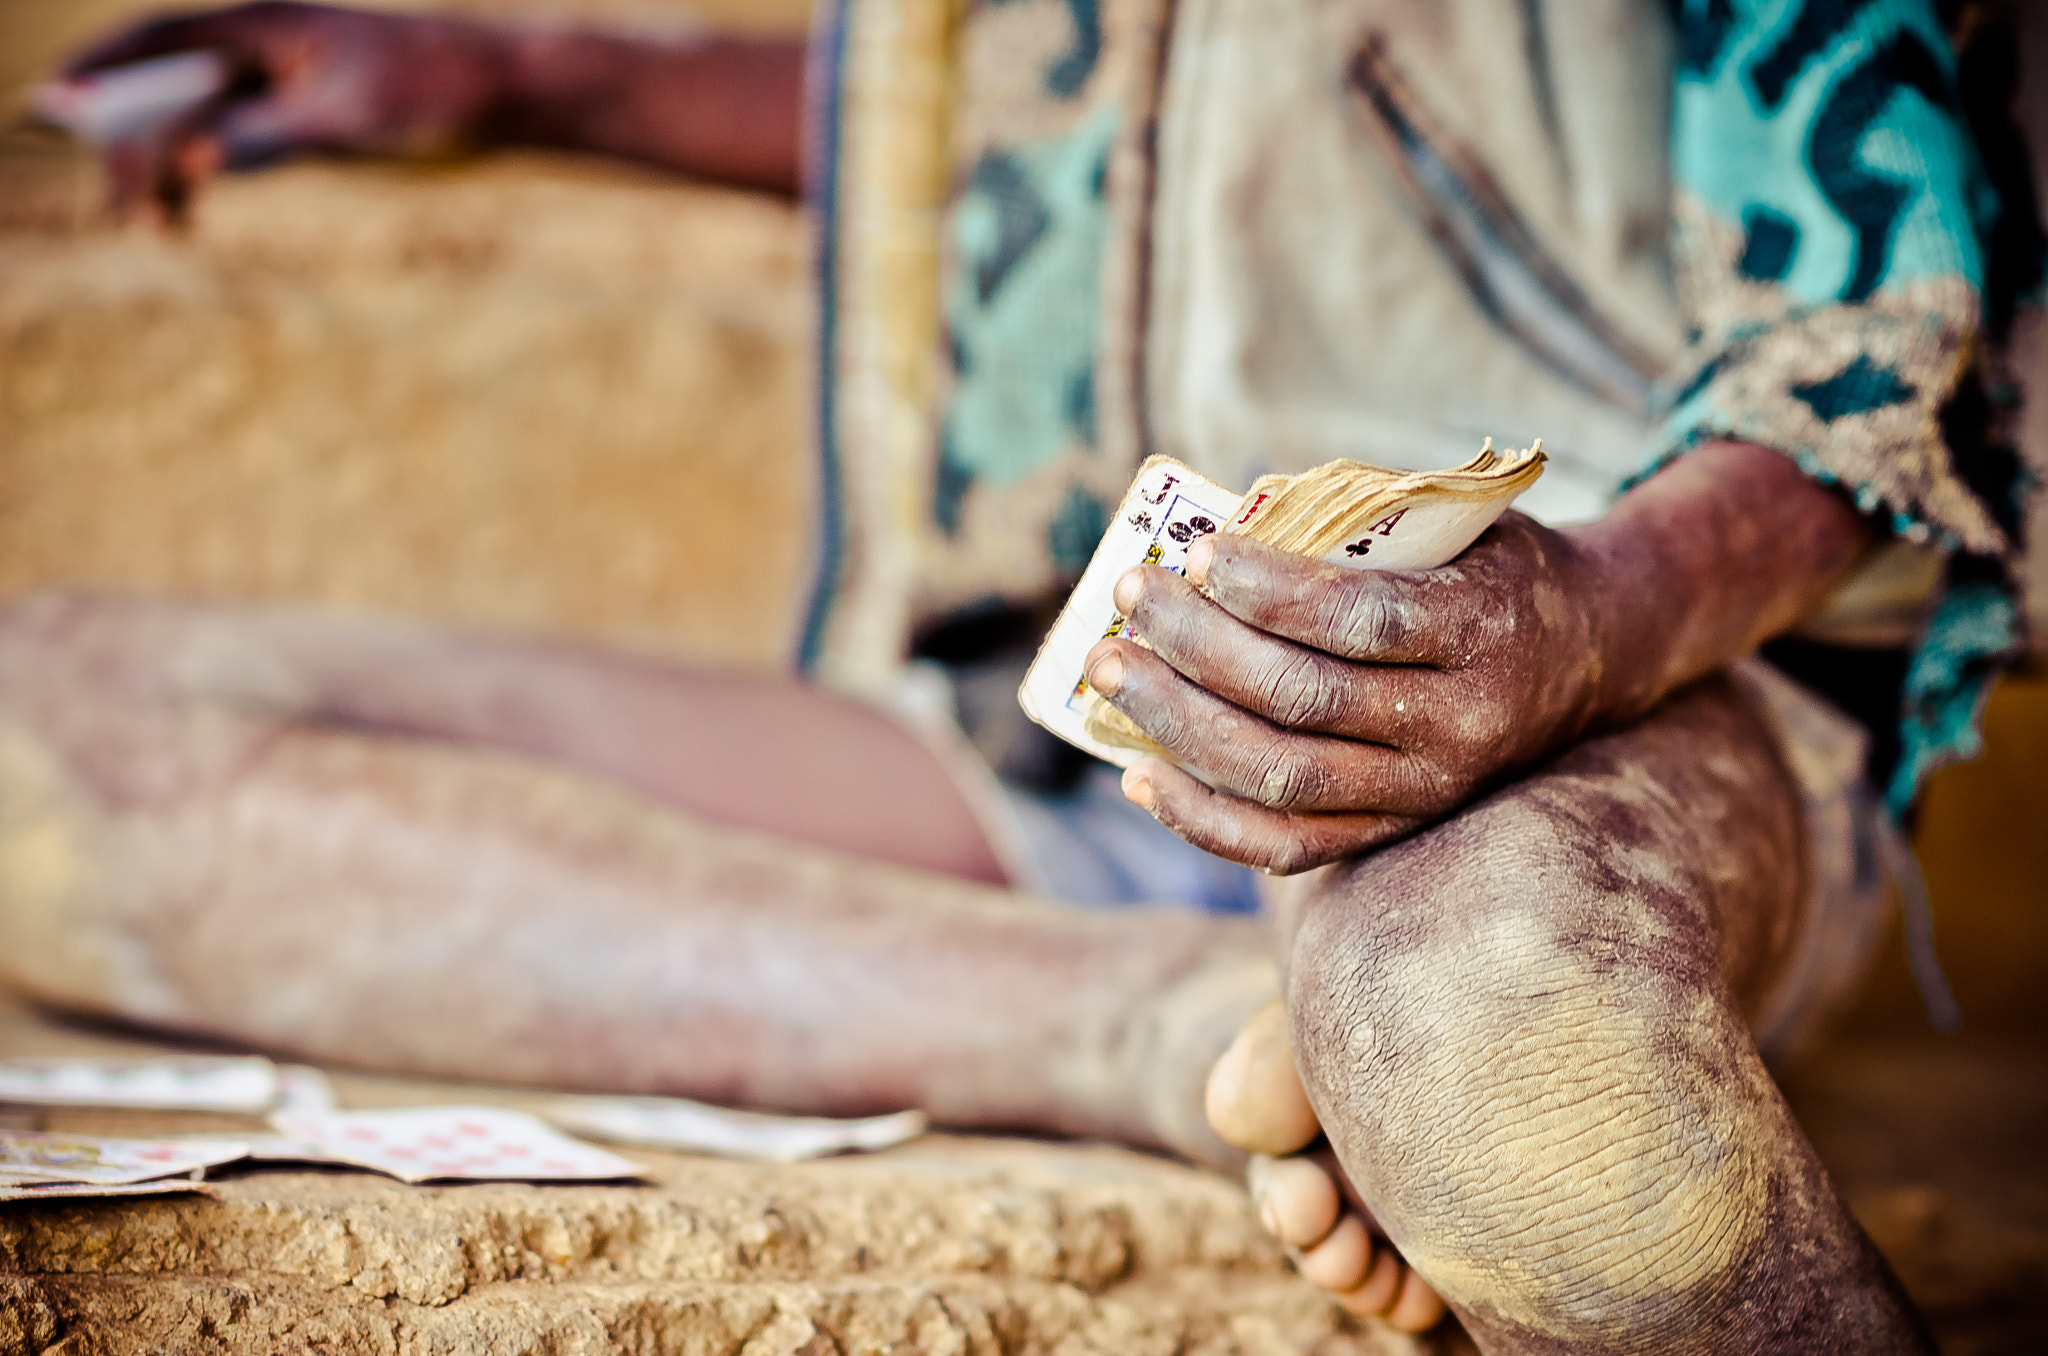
{"x":1727,"y":547}
{"x":718,"y":107}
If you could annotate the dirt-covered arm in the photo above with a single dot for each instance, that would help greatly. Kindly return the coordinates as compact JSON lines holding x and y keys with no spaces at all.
{"x":1330,"y":711}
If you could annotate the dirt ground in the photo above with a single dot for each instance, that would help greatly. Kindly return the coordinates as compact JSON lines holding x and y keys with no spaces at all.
{"x":949,"y":1244}
{"x":541,"y":394}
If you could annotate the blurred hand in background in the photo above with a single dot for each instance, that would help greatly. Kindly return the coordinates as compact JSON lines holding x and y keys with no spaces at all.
{"x":302,"y":78}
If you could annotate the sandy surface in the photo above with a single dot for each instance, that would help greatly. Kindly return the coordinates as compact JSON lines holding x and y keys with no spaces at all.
{"x":948,"y":1244}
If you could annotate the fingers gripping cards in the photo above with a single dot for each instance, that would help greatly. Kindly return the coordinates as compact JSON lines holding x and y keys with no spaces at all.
{"x":1167,"y":508}
{"x":113,"y":105}
{"x":1344,"y":512}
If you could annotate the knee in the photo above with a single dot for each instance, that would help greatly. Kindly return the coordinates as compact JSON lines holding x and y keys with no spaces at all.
{"x":1521,"y":1049}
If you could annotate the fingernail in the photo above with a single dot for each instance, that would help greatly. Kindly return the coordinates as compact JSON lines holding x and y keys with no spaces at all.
{"x":1200,"y":556}
{"x":1129,"y":590}
{"x":1269,"y":1215}
{"x":1107,"y":675}
{"x":1138,"y":788}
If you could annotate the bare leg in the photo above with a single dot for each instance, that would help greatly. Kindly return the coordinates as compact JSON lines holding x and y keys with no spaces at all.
{"x":751,"y":751}
{"x":1523,"y":1032}
{"x":413,"y":905}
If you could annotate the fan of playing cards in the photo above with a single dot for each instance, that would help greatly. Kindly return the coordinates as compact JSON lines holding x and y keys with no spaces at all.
{"x":1344,"y":512}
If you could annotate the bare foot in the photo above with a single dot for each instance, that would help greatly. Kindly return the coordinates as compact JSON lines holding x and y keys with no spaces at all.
{"x":1256,"y":1102}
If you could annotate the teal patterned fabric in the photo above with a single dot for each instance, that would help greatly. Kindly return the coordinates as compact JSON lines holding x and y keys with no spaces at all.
{"x":1827,"y":130}
{"x":1832,"y":223}
{"x":1973,"y":625}
{"x":1023,"y":309}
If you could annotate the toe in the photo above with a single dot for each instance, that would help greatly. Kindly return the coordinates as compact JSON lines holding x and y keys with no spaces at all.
{"x":1339,"y":1262}
{"x":1255,"y":1098}
{"x":1297,"y":1200}
{"x":1382,"y":1285}
{"x":1417,"y":1309}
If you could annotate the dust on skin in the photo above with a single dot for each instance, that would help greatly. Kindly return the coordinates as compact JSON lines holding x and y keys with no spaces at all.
{"x":228,"y":867}
{"x":1671,"y":1215}
{"x":1517,"y":1030}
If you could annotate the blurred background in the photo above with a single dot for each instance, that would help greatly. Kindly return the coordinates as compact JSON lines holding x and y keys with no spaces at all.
{"x":529,"y":392}
{"x":548,"y":394}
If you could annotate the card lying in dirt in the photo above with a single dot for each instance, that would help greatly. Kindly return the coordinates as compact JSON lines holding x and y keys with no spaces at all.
{"x":693,"y":1127}
{"x":420,"y":1144}
{"x":33,"y":1155}
{"x":19,"y":1189}
{"x":1344,"y":513}
{"x":175,"y":1083}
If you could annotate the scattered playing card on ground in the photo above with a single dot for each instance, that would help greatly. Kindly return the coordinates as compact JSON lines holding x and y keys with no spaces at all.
{"x":243,"y":1083}
{"x":300,"y":1087}
{"x":693,"y":1127}
{"x":106,"y":1161}
{"x":421,"y":1144}
{"x":12,"y":1189}
{"x":270,"y":1148}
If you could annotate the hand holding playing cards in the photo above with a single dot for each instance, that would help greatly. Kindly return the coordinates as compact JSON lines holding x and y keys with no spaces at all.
{"x":1334,"y":710}
{"x":176,"y":99}
{"x":292,"y":78}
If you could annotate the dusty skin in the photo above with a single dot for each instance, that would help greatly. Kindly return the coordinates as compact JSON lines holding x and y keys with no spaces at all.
{"x":1330,"y":711}
{"x":1557,"y":1114}
{"x":222,"y":839}
{"x":209,"y":822}
{"x":1520,"y":1024}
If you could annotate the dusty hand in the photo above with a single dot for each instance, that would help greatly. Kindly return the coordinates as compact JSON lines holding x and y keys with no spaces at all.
{"x":301,"y":78}
{"x":1333,"y":710}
